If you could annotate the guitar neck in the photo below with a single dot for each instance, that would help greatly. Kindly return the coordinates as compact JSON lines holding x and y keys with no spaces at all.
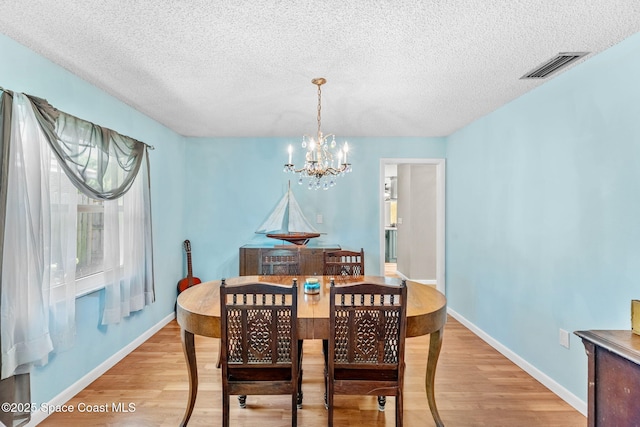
{"x":189,"y":272}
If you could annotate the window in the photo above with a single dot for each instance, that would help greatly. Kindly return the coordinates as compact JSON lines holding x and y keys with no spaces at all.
{"x":90,"y":245}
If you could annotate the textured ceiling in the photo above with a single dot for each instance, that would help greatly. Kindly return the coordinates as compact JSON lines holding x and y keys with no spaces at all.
{"x":244,"y":68}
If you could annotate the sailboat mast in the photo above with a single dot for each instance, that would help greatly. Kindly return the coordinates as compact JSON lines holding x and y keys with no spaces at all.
{"x":289,"y":197}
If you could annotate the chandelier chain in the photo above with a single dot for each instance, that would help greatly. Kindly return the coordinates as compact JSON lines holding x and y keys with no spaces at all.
{"x":319,"y":110}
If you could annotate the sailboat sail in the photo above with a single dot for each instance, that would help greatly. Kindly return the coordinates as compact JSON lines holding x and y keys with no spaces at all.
{"x":287,"y":217}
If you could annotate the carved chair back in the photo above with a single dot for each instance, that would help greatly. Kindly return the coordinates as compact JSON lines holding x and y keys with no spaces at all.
{"x":344,"y":263}
{"x":279,"y":262}
{"x":366,"y":341}
{"x":259,"y":341}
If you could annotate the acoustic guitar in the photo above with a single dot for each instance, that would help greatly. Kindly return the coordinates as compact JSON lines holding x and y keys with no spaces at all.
{"x":188,"y":281}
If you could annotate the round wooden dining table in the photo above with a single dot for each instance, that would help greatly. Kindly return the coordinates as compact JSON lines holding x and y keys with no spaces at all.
{"x":198,"y":313}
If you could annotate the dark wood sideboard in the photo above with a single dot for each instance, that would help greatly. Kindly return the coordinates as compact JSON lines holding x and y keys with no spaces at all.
{"x":614,"y":377}
{"x":311,"y":258}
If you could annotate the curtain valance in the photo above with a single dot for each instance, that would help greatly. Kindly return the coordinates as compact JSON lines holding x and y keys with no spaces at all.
{"x":99,"y":161}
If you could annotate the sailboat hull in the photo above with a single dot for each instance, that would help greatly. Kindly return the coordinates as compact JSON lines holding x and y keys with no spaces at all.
{"x":295,"y":238}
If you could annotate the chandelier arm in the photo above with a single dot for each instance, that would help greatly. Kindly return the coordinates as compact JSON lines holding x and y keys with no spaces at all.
{"x":323,"y":172}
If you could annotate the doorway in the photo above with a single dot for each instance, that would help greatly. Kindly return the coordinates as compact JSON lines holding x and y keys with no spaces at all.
{"x":405,"y":199}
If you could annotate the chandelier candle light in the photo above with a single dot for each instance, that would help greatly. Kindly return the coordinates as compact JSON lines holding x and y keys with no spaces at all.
{"x":320,"y":167}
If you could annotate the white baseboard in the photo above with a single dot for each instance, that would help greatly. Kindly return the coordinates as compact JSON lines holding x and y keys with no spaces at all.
{"x":75,"y":388}
{"x":424,"y":282}
{"x":563,"y":393}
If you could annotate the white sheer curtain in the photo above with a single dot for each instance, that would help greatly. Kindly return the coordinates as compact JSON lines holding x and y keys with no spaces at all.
{"x":61,"y":287}
{"x":127,"y":261}
{"x":33,"y":267}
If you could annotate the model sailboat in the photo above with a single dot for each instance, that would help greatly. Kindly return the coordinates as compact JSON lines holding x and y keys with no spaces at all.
{"x":288,"y":223}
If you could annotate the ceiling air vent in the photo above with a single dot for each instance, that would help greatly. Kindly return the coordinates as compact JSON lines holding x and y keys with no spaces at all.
{"x":561,"y":60}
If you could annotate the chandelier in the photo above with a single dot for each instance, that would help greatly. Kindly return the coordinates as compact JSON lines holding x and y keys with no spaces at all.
{"x":322,"y":165}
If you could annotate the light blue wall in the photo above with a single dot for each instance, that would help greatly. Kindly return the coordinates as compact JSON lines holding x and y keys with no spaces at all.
{"x":234,"y":183}
{"x":543,"y":213}
{"x":21,"y":70}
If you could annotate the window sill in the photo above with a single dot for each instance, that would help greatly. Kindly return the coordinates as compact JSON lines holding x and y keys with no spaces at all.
{"x":89,"y":284}
{"x":94,"y":282}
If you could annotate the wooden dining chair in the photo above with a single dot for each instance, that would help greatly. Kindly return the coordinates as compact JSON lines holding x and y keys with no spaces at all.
{"x":259,"y":339}
{"x":366,"y":342}
{"x":279,"y":262}
{"x":344,"y":263}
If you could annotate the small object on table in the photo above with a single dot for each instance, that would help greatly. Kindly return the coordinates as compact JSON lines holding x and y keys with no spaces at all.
{"x":311,"y":286}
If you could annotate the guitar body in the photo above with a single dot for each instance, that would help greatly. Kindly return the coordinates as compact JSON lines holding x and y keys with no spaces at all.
{"x":188,"y":281}
{"x":185,"y":283}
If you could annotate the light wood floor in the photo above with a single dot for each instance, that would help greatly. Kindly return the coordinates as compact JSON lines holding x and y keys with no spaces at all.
{"x":475,"y":386}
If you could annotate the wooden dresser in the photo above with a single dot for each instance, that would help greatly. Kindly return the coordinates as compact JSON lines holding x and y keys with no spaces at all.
{"x":614,"y":377}
{"x":311,"y":258}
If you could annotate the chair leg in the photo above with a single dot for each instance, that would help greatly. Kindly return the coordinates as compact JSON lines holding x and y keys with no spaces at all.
{"x":325,"y":354}
{"x":219,"y":363}
{"x":225,"y":409}
{"x":382,"y":401}
{"x":330,"y":403}
{"x":294,"y":409}
{"x":399,"y":409}
{"x":300,"y":395}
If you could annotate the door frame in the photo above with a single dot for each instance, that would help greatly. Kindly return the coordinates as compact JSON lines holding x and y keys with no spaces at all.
{"x":440,"y":212}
